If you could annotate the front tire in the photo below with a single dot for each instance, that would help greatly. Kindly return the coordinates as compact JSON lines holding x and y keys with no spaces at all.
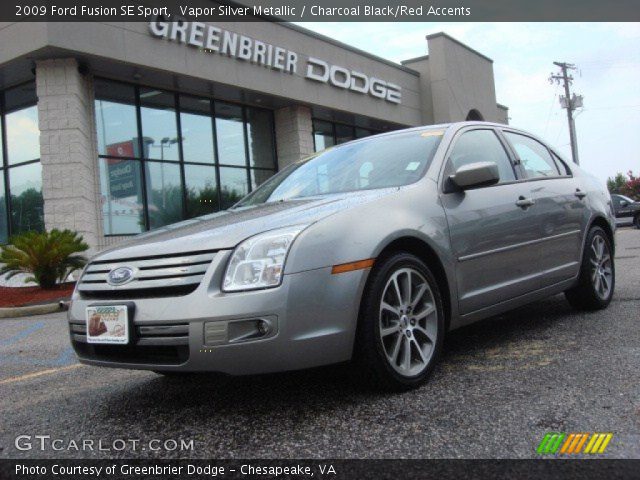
{"x":596,"y":281}
{"x":401,"y":324}
{"x":636,"y":221}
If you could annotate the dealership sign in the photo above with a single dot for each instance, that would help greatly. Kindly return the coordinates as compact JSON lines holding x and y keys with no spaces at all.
{"x":224,"y":42}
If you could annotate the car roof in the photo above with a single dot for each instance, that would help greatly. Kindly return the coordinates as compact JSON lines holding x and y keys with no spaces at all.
{"x":456,"y":125}
{"x":459,"y":125}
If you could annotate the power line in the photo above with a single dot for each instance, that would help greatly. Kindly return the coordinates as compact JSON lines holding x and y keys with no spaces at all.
{"x":550,"y":110}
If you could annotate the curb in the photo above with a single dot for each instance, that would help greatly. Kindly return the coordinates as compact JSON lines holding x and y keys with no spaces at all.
{"x":13,"y":312}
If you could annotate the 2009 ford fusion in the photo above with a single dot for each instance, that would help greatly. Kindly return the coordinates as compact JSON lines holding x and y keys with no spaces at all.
{"x":370,"y":251}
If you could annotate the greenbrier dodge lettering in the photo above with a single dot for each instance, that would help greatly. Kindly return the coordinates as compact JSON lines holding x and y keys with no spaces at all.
{"x":241,"y":47}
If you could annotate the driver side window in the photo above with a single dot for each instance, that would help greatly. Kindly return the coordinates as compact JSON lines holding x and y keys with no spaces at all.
{"x":480,"y":146}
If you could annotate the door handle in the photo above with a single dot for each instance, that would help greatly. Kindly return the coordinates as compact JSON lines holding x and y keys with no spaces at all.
{"x":523,"y":202}
{"x":580,"y":194}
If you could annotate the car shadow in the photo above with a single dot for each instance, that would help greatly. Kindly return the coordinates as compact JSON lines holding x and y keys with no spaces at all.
{"x":534,"y":320}
{"x":320,"y":389}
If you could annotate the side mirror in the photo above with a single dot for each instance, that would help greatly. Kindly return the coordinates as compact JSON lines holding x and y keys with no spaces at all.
{"x":624,"y":203}
{"x":479,"y":174}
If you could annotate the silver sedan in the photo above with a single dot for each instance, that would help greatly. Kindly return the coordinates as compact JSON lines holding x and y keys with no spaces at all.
{"x":368,"y":252}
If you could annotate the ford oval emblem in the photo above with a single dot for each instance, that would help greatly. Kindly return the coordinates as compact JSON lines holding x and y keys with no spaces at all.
{"x":120,"y":276}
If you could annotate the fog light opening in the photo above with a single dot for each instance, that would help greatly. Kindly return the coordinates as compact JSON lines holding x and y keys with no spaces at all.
{"x":264,"y":328}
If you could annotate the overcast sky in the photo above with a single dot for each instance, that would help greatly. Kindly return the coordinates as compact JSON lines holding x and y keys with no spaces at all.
{"x":607,"y":56}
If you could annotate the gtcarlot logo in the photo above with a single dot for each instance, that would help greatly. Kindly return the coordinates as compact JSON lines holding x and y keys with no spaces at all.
{"x":46,"y":442}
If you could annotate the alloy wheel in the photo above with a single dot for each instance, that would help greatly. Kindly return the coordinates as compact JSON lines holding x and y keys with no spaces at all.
{"x":408,"y":322}
{"x":601,"y":272}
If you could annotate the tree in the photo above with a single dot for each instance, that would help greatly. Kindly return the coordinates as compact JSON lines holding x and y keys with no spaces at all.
{"x":47,"y":256}
{"x":631,"y":188}
{"x":615,"y":184}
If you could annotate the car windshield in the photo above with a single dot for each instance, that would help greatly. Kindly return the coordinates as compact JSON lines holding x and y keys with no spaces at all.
{"x":626,"y":199}
{"x":376,"y":162}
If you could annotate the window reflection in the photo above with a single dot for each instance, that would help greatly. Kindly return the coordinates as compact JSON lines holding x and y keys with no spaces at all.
{"x":121,"y":196}
{"x":230,"y":132}
{"x":19,"y":127}
{"x":23,"y":135}
{"x":193,"y":148}
{"x":159,"y":127}
{"x":197,"y":130}
{"x":327,"y":134}
{"x":164,"y":193}
{"x":323,"y":135}
{"x":234,"y":185}
{"x":116,"y":122}
{"x":202,"y":190}
{"x":4,"y":230}
{"x":258,"y":177}
{"x":363,"y":132}
{"x":27,"y":207}
{"x":260,"y":137}
{"x":344,"y":133}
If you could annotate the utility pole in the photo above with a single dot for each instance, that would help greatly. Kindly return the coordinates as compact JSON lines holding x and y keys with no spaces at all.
{"x":569,"y":102}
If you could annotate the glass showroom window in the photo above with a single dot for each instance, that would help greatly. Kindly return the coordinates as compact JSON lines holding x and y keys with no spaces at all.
{"x":327,"y":134}
{"x":21,"y":204}
{"x":165,"y":157}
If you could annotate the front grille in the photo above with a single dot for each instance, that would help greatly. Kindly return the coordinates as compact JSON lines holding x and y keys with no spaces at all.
{"x":147,"y":334}
{"x":161,"y":355}
{"x":166,"y":343}
{"x":153,"y":276}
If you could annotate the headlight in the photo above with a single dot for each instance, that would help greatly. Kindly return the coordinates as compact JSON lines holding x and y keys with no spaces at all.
{"x":258,"y":262}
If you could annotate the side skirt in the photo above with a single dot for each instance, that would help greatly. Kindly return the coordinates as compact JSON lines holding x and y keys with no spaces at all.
{"x":515,"y":302}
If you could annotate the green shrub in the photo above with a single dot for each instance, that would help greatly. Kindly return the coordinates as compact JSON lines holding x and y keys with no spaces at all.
{"x":48,"y":257}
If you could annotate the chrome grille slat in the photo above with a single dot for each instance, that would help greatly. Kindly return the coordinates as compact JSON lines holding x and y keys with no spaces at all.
{"x":154,"y":263}
{"x":151,"y":274}
{"x":141,"y":284}
{"x":159,"y":334}
{"x":156,"y":272}
{"x":153,"y":330}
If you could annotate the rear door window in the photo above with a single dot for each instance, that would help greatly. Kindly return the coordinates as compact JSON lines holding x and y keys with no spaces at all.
{"x":534,"y":157}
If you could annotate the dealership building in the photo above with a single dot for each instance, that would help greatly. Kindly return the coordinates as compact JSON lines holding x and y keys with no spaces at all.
{"x":112,"y":129}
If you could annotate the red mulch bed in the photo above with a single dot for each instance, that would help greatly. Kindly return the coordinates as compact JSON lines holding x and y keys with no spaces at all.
{"x":24,"y":296}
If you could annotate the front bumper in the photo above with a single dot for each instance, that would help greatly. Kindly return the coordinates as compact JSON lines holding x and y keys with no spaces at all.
{"x":312,"y":318}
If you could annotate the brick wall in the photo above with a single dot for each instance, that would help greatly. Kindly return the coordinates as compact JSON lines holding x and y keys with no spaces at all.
{"x":68,"y":150}
{"x":294,"y":134}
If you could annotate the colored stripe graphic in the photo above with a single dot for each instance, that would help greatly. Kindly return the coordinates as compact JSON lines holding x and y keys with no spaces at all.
{"x":550,"y":443}
{"x":580,"y":444}
{"x":598,"y":443}
{"x":573,"y":443}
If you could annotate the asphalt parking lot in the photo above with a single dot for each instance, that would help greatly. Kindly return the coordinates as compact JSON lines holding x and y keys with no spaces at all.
{"x":502,"y":384}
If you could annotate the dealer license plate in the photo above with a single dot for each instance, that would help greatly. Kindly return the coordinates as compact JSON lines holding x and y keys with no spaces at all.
{"x":108,"y":324}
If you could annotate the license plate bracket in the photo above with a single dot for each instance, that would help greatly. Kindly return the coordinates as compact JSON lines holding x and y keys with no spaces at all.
{"x":110,"y":324}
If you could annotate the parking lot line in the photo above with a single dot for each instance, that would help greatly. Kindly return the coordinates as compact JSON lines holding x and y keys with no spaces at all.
{"x":29,"y":376}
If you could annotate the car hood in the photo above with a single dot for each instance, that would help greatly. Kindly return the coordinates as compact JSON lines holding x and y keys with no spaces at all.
{"x":226,"y":229}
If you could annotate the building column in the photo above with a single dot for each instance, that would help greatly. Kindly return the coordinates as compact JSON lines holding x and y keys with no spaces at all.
{"x":68,"y":151}
{"x":294,"y":134}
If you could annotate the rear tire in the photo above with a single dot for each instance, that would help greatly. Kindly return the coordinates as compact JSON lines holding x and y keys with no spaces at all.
{"x":596,"y":282}
{"x":401,"y":325}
